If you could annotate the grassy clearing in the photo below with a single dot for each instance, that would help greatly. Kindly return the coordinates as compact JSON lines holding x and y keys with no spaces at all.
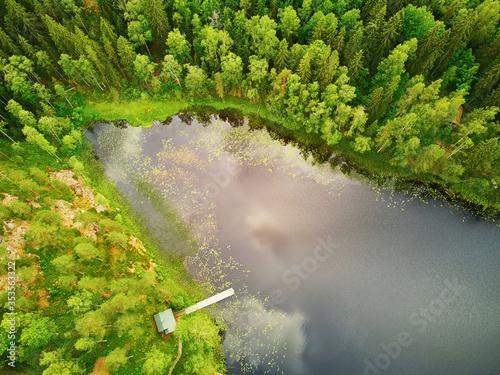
{"x":136,"y":112}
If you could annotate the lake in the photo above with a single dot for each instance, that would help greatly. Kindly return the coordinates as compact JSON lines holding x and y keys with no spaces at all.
{"x":332,"y":274}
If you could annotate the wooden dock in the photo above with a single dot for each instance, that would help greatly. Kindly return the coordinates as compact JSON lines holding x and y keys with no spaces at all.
{"x":206,"y":302}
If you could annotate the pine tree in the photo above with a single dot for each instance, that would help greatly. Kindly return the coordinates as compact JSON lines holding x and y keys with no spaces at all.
{"x":281,"y":59}
{"x":372,"y":34}
{"x":156,"y":361}
{"x":297,"y":52}
{"x":387,"y":36}
{"x":373,"y":104}
{"x":429,"y":48}
{"x":18,"y":16}
{"x":36,"y":138}
{"x":487,"y":82}
{"x":25,"y":118}
{"x":117,"y":358}
{"x":289,"y":22}
{"x":459,"y":37}
{"x":61,"y":36}
{"x":329,"y":34}
{"x":273,"y":9}
{"x":484,"y":55}
{"x":327,"y":67}
{"x":319,"y":31}
{"x":7,"y":47}
{"x":356,"y":66}
{"x":305,"y":11}
{"x":87,"y":251}
{"x":337,"y":43}
{"x":450,"y":12}
{"x":371,"y":10}
{"x":127,"y":55}
{"x":355,"y":42}
{"x":157,"y":17}
{"x":219,"y":85}
{"x":109,"y":41}
{"x":481,"y":159}
{"x":394,"y":64}
{"x":26,"y":47}
{"x":488,"y":14}
{"x":388,"y":96}
{"x":493,"y":99}
{"x":304,"y":70}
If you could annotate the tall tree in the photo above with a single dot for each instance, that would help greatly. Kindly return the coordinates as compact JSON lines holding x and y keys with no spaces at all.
{"x":304,"y":69}
{"x":429,"y":48}
{"x":178,"y":46}
{"x":156,"y":362}
{"x":488,"y":15}
{"x":289,"y":22}
{"x":157,"y":17}
{"x":127,"y":56}
{"x":171,"y":69}
{"x":459,"y":37}
{"x":355,"y":42}
{"x":116,"y":358}
{"x":281,"y":59}
{"x":394,"y":64}
{"x":387,"y":36}
{"x":232,"y":71}
{"x":262,"y":31}
{"x":196,"y":80}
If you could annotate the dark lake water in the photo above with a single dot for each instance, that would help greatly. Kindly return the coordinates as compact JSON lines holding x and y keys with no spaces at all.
{"x":332,"y":275}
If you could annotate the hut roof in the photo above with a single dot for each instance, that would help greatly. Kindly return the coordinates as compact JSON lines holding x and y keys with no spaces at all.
{"x":165,"y":321}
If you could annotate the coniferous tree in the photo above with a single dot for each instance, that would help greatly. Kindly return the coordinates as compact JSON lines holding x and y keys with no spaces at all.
{"x":429,"y":48}
{"x":373,"y":104}
{"x":486,"y":55}
{"x":127,"y":55}
{"x":304,"y":69}
{"x":319,"y":32}
{"x":488,"y":15}
{"x":387,"y":35}
{"x":61,"y":36}
{"x":355,"y":42}
{"x":337,"y":43}
{"x":7,"y":47}
{"x":356,"y":65}
{"x":157,"y":17}
{"x":18,"y":20}
{"x":281,"y":59}
{"x":459,"y":36}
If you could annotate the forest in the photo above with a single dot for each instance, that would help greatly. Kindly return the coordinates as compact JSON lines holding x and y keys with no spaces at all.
{"x":411,"y":87}
{"x":407,"y":89}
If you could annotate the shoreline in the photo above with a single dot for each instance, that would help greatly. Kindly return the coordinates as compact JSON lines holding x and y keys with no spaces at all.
{"x":342,"y":156}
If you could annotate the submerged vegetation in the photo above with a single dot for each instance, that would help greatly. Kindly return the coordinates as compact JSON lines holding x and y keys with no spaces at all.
{"x":406,"y":89}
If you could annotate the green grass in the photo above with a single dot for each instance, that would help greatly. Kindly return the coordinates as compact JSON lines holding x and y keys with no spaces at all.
{"x":136,"y":112}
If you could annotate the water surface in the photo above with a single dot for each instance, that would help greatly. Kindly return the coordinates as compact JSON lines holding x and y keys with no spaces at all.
{"x":332,"y":275}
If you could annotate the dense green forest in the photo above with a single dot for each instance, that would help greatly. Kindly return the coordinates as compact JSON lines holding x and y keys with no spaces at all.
{"x":407,"y":89}
{"x":413,"y":86}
